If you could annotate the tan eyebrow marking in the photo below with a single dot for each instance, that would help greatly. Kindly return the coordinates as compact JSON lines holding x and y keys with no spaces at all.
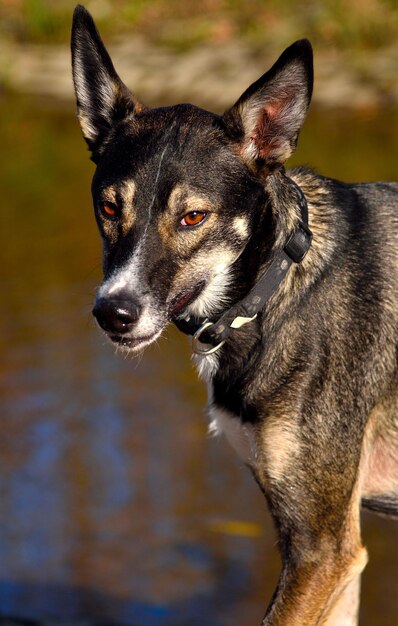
{"x":181,"y":201}
{"x":175,"y":195}
{"x":109,"y":194}
{"x":191,"y":201}
{"x":128,"y":193}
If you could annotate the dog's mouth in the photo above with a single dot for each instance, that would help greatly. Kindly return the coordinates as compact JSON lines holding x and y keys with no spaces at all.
{"x":134,"y":344}
{"x":177,"y":305}
{"x":184,"y":299}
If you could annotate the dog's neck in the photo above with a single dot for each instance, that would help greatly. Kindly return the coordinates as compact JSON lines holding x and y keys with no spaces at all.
{"x":291,"y":245}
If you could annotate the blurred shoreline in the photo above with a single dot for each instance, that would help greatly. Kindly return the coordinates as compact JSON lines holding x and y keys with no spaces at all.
{"x":209,"y":75}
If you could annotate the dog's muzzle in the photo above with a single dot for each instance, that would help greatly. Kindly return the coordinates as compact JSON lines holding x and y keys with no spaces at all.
{"x":116,"y":316}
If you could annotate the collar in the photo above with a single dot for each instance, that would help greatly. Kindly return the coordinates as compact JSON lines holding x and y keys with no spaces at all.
{"x":209,"y":335}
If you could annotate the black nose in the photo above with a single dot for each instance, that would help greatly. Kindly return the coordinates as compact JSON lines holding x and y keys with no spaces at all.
{"x":116,"y":315}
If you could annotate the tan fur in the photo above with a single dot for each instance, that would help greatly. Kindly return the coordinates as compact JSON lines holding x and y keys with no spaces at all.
{"x":128,"y":193}
{"x":279,"y":445}
{"x":214,"y":265}
{"x":322,"y":591}
{"x":315,"y":588}
{"x":241,"y":227}
{"x":181,"y":201}
{"x":343,"y":604}
{"x":109,"y":194}
{"x":175,"y":197}
{"x":345,"y":610}
{"x":88,"y":131}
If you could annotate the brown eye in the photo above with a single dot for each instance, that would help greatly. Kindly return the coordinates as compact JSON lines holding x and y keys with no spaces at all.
{"x":109,"y":209}
{"x":193,"y":218}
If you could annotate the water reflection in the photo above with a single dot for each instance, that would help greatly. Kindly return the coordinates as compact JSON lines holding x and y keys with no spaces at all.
{"x":114,"y":506}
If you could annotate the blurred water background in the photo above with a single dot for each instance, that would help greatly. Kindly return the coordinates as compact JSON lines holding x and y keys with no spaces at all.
{"x":115,"y":506}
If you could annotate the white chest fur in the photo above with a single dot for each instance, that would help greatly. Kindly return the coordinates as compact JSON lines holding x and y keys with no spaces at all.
{"x":239,"y":435}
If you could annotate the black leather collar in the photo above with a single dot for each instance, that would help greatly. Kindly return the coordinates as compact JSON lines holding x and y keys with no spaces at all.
{"x":209,"y":335}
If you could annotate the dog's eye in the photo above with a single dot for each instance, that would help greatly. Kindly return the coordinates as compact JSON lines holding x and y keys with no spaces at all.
{"x":109,"y":209}
{"x":193,"y":218}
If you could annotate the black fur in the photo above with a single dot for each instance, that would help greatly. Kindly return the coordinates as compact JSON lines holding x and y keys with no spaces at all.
{"x":312,"y":381}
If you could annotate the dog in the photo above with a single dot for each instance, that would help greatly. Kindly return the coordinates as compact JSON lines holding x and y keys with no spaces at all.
{"x":288,"y":283}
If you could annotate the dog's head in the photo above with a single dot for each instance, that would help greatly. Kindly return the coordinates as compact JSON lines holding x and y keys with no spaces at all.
{"x":179,"y":192}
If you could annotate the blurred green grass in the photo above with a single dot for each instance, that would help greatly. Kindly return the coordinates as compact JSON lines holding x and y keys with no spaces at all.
{"x":342,"y":24}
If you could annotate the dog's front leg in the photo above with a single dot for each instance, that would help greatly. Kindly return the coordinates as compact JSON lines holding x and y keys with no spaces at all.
{"x":318,"y":595}
{"x":345,"y":611}
{"x":310,"y":481}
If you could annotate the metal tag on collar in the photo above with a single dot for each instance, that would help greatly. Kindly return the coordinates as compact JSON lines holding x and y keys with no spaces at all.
{"x":241,"y":321}
{"x":196,"y":343}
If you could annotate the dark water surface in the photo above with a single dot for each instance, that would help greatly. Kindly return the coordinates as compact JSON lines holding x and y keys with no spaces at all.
{"x":115,"y":506}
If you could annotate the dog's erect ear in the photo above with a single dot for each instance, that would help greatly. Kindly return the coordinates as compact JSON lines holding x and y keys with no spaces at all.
{"x":102,"y":98}
{"x":267,"y":118}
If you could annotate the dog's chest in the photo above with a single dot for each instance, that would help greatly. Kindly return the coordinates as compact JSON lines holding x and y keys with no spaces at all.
{"x":240,"y":436}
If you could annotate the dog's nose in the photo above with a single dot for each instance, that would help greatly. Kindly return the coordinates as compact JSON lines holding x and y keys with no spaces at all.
{"x":116,"y":315}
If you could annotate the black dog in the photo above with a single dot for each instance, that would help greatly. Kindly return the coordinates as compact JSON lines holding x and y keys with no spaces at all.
{"x":288,"y":282}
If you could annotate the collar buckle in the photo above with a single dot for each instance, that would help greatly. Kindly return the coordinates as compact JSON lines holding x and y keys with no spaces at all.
{"x":299,"y":243}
